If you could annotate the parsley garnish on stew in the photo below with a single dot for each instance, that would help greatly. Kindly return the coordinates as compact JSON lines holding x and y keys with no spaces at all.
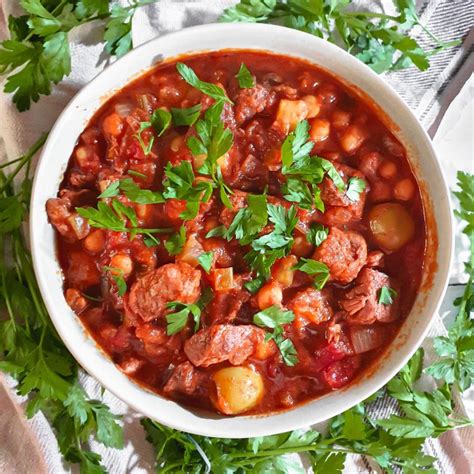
{"x":174,"y":244}
{"x":213,"y":141}
{"x":205,"y":260}
{"x":115,"y":217}
{"x":245,"y":78}
{"x":160,"y":121}
{"x":187,"y":116}
{"x":146,"y":147}
{"x":304,"y":172}
{"x":180,"y":183}
{"x":318,"y":270}
{"x":117,"y":275}
{"x":273,"y":318}
{"x":355,"y":186}
{"x":317,"y":234}
{"x":386,"y":295}
{"x":177,"y":321}
{"x":207,"y":88}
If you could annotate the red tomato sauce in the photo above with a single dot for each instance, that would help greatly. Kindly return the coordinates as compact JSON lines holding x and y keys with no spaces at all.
{"x":121,"y":285}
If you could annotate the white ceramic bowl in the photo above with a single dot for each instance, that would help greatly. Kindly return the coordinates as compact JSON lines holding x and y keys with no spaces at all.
{"x":71,"y":123}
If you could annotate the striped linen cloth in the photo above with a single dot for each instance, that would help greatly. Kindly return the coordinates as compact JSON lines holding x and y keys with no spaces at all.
{"x":30,"y":446}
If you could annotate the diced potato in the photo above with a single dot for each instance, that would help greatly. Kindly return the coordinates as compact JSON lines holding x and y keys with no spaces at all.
{"x":238,"y":389}
{"x":391,"y":225}
{"x":269,"y":294}
{"x":223,"y":279}
{"x":313,"y":104}
{"x":79,"y":225}
{"x":289,"y":113}
{"x":265,"y":349}
{"x":352,"y":139}
{"x":191,"y":251}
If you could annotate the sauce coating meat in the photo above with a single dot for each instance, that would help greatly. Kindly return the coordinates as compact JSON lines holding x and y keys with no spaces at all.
{"x":240,"y":241}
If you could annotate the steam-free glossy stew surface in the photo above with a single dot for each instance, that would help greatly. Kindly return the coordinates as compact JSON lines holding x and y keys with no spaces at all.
{"x":239,"y":232}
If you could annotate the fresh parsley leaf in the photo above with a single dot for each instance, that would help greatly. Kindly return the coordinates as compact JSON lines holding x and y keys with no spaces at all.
{"x":245,"y":78}
{"x":355,"y":186}
{"x":111,"y":191}
{"x":138,"y":195}
{"x":146,"y":147}
{"x":137,"y":174}
{"x":316,"y":269}
{"x":117,"y":275}
{"x":205,"y":260}
{"x":214,"y":141}
{"x":378,"y":39}
{"x":386,"y":295}
{"x":178,"y":321}
{"x":273,"y":318}
{"x":186,"y":117}
{"x":206,"y":88}
{"x":249,"y":221}
{"x":174,"y":245}
{"x":160,"y":121}
{"x":317,"y":234}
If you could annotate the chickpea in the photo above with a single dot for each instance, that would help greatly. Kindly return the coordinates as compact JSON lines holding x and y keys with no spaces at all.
{"x":176,"y":143}
{"x":269,"y":294}
{"x":112,"y":125}
{"x":301,"y":246}
{"x":238,"y":389}
{"x":340,"y":119}
{"x":391,"y":225}
{"x":95,"y":242}
{"x":143,"y":210}
{"x":83,"y":154}
{"x":352,"y":139}
{"x":404,"y":190}
{"x":320,"y":129}
{"x":122,"y":263}
{"x":388,"y":169}
{"x":283,"y":272}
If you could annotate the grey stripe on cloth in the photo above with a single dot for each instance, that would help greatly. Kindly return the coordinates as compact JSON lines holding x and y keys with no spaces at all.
{"x":427,"y":93}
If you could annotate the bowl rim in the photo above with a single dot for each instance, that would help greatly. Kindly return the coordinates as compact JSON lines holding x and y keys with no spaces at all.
{"x":224,"y":426}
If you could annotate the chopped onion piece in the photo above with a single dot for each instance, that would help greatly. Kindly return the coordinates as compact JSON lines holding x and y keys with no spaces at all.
{"x":124,"y":110}
{"x":365,"y":339}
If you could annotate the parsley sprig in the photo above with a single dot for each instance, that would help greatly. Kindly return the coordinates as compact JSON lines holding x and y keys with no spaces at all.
{"x":178,"y":320}
{"x":274,"y":318}
{"x":456,"y":350}
{"x":379,"y":40}
{"x":117,"y":217}
{"x":31,"y":350}
{"x":37,"y":55}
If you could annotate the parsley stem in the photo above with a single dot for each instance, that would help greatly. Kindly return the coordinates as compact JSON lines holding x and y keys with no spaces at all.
{"x":297,"y":449}
{"x":24,"y":160}
{"x":381,"y":16}
{"x":9,"y":163}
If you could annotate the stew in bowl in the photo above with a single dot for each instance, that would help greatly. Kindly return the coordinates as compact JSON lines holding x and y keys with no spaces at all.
{"x":240,"y":231}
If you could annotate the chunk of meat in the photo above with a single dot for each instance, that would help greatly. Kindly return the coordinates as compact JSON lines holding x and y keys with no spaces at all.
{"x":171,"y":282}
{"x":310,"y":306}
{"x":75,"y":300}
{"x":344,"y":252}
{"x":222,"y":342}
{"x":375,"y":258}
{"x":362,"y":302}
{"x":252,"y":101}
{"x":185,"y":379}
{"x":333,"y":197}
{"x":68,"y":223}
{"x":81,"y":271}
{"x":226,"y":305}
